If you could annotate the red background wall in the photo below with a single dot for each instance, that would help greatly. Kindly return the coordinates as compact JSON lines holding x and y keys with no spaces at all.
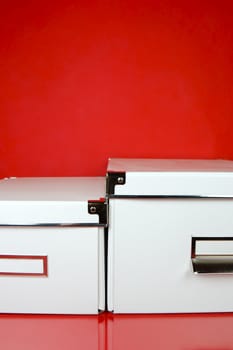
{"x":85,"y":80}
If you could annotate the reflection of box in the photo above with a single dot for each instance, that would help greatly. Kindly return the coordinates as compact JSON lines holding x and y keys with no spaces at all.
{"x":176,"y":332}
{"x":52,"y":245}
{"x":170,"y":236}
{"x":83,"y":332}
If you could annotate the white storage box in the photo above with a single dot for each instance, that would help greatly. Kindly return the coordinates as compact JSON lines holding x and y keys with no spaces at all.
{"x":52,"y":245}
{"x":170,"y":236}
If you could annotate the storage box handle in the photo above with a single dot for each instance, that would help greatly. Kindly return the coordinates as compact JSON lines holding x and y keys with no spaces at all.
{"x":212,"y":255}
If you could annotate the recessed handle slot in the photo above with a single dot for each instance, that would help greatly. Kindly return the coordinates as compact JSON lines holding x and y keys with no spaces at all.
{"x":212,"y":255}
{"x":23,"y":265}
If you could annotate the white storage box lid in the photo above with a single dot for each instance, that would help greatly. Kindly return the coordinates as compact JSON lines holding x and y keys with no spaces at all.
{"x":53,"y":201}
{"x":166,"y":177}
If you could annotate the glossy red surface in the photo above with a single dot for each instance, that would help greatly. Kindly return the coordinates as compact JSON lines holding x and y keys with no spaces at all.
{"x":107,"y":332}
{"x":49,"y":332}
{"x":85,"y":80}
{"x":177,"y":332}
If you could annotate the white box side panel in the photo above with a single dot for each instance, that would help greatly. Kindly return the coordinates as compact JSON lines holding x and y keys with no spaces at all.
{"x":101,"y":271}
{"x":111,"y":253}
{"x":152,"y":270}
{"x":71,"y":286}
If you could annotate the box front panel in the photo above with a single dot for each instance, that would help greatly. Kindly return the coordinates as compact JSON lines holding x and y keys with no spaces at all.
{"x":151,"y":255}
{"x":49,"y":270}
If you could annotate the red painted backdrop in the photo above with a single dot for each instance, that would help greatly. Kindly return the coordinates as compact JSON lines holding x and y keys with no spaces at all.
{"x":85,"y":80}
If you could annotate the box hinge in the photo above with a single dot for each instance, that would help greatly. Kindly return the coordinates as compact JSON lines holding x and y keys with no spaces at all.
{"x":100,"y":208}
{"x":113,"y":179}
